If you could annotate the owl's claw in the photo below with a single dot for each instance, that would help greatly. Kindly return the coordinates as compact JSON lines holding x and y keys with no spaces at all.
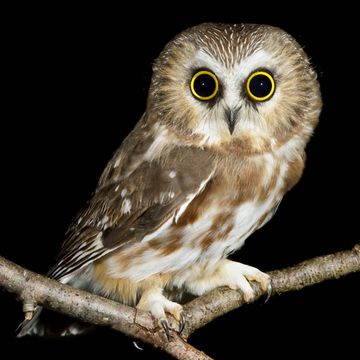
{"x":182,"y":322}
{"x":159,"y":306}
{"x":165,"y":326}
{"x":137,"y":346}
{"x":269,"y":291}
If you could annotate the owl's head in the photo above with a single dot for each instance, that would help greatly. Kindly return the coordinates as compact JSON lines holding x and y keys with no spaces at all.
{"x":248,"y":88}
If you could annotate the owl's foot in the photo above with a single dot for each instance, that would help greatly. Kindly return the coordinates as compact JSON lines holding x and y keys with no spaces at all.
{"x":237,"y":276}
{"x":158,"y":305}
{"x":234,"y":275}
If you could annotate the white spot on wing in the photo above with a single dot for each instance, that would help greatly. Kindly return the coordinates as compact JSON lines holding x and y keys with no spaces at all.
{"x":117,"y":163}
{"x":158,"y":144}
{"x":97,"y":241}
{"x":123,"y":192}
{"x":172,"y":174}
{"x":126,"y":206}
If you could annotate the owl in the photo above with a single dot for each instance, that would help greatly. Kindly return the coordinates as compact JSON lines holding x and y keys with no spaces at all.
{"x":229,"y":112}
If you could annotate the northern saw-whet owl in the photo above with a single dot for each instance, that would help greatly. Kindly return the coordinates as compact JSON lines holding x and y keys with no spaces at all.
{"x":229,"y":112}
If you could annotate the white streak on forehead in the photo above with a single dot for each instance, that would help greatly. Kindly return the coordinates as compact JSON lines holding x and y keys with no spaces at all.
{"x":258,"y":59}
{"x":203,"y":60}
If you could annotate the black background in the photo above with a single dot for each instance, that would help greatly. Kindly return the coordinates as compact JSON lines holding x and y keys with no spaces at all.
{"x":74,"y":83}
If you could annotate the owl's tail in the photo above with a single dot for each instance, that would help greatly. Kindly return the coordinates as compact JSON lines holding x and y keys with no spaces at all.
{"x":50,"y":324}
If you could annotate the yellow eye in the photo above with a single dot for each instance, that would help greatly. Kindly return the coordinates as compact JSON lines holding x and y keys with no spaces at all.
{"x":204,"y":85}
{"x":260,"y":86}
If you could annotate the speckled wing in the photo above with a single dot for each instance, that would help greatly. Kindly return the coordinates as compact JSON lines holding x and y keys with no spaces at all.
{"x":137,"y":193}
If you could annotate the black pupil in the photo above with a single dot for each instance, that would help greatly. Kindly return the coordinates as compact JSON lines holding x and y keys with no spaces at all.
{"x":260,"y":86}
{"x":204,"y":85}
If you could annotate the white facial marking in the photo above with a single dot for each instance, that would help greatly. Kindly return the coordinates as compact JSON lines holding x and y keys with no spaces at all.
{"x":211,"y":130}
{"x":213,"y":125}
{"x":172,"y":174}
{"x":259,"y":59}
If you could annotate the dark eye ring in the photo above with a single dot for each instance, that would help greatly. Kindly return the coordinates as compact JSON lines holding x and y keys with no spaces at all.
{"x":260,"y":86}
{"x":204,"y":85}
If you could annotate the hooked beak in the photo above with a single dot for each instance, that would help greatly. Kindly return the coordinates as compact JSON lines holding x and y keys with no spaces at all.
{"x":231,"y":118}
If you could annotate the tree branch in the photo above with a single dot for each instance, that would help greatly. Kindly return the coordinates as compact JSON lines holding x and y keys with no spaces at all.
{"x":220,"y":301}
{"x":92,"y":309}
{"x":97,"y":310}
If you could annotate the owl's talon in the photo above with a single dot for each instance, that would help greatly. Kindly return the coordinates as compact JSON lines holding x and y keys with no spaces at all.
{"x":269,"y":291}
{"x":137,"y":346}
{"x":159,"y":306}
{"x":182,"y":322}
{"x":165,"y":326}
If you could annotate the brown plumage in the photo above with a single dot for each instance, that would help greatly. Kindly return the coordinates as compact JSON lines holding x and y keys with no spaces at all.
{"x":206,"y":166}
